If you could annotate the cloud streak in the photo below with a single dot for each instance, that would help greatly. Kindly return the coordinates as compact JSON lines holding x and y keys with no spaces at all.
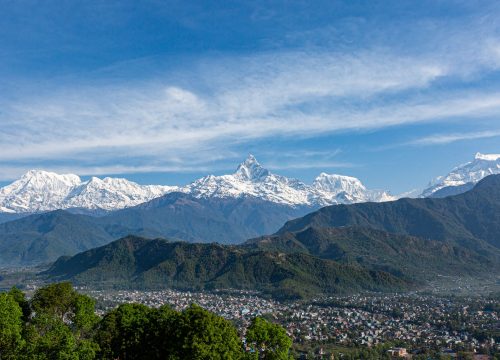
{"x":236,"y":100}
{"x":442,"y":139}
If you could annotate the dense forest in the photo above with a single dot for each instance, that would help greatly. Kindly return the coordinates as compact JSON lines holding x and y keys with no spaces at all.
{"x":60,"y":323}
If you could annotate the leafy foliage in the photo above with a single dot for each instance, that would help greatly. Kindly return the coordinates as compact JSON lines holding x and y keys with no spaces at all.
{"x":10,"y":326}
{"x":62,"y":325}
{"x":20,"y":298}
{"x":268,"y":340}
{"x":122,"y":333}
{"x":204,"y":335}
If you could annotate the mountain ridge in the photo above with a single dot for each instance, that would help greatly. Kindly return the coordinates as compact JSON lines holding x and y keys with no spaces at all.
{"x":471,"y":218}
{"x":400,"y":255}
{"x":39,"y":191}
{"x":368,"y":246}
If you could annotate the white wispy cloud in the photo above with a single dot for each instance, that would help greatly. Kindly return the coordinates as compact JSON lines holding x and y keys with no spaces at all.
{"x":233,"y":101}
{"x":441,"y":139}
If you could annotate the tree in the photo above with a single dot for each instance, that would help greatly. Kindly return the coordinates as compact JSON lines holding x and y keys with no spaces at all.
{"x":124,"y":331}
{"x":62,"y":324}
{"x":64,"y":303}
{"x":55,"y":300}
{"x":84,"y":317}
{"x":10,"y":327}
{"x":161,"y":342}
{"x":202,"y":335}
{"x":50,"y":338}
{"x":20,"y":298}
{"x":268,"y":340}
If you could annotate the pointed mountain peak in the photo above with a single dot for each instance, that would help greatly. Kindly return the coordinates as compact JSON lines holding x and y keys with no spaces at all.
{"x":250,"y":160}
{"x":250,"y":169}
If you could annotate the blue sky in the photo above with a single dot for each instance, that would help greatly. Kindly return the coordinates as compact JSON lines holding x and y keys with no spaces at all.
{"x":392,"y":92}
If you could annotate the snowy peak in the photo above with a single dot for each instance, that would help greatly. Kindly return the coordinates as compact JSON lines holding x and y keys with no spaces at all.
{"x":45,"y":179}
{"x":487,"y":157}
{"x":251,"y":170}
{"x":334,"y":183}
{"x":44,"y":191}
{"x":347,"y":190}
{"x":35,"y":189}
{"x":38,"y":191}
{"x":469,"y":173}
{"x":251,"y":179}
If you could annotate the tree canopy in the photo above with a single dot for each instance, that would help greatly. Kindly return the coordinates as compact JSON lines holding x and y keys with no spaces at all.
{"x":60,"y":323}
{"x":268,"y":340}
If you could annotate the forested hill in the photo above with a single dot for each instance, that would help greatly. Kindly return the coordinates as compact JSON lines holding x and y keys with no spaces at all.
{"x":401,"y":255}
{"x":471,"y":219}
{"x":140,"y":263}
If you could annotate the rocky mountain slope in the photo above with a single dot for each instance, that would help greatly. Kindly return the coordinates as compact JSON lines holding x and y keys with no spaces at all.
{"x":38,"y":191}
{"x":251,"y":179}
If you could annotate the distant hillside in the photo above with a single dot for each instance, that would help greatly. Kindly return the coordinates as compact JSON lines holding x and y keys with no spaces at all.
{"x":471,"y":220}
{"x":452,"y":190}
{"x":44,"y":237}
{"x":183,"y":216}
{"x":400,"y":255}
{"x":6,"y":217}
{"x":140,"y":263}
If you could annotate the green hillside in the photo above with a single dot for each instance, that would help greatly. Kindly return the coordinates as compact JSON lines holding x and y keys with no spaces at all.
{"x":471,"y":219}
{"x":44,"y":237}
{"x":140,"y":263}
{"x":400,"y":255}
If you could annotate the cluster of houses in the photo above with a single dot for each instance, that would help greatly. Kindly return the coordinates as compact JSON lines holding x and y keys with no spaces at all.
{"x":419,"y":321}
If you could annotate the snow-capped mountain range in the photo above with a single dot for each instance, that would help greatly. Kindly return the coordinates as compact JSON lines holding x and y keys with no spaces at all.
{"x":252,"y":179}
{"x":38,"y":191}
{"x":465,"y":176}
